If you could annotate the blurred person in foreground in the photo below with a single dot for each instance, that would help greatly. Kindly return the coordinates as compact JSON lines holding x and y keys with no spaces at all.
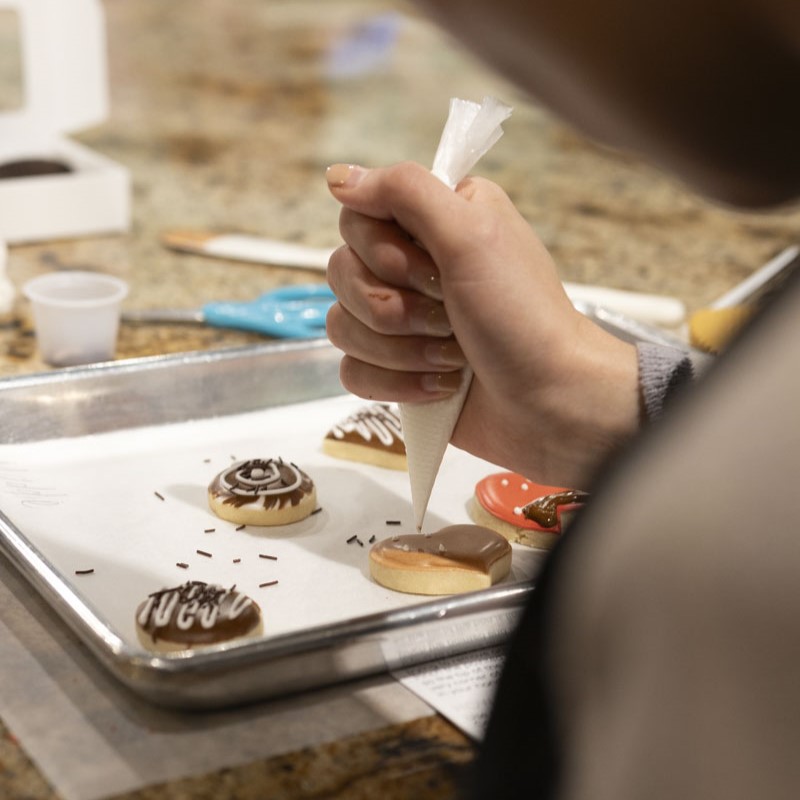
{"x":658,"y":657}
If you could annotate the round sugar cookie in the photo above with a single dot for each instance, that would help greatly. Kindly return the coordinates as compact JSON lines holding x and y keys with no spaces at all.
{"x":503,"y":502}
{"x":262,"y":492}
{"x":196,"y":614}
{"x":373,"y":435}
{"x":458,"y":558}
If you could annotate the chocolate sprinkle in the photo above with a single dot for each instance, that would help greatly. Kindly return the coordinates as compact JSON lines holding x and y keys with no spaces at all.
{"x":203,"y":553}
{"x":182,"y":565}
{"x":209,"y":530}
{"x":360,"y":543}
{"x":271,"y":558}
{"x":159,"y":496}
{"x":371,"y":539}
{"x":240,"y":528}
{"x":315,"y":511}
{"x":352,"y":539}
{"x":268,"y":583}
{"x":84,"y":571}
{"x":393,"y":522}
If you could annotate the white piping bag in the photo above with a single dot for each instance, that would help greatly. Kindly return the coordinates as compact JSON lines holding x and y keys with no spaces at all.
{"x":470,"y":131}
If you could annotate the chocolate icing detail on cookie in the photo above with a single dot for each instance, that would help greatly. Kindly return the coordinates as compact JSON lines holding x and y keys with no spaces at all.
{"x":275,"y":482}
{"x":472,"y":546}
{"x":196,"y":613}
{"x":377,"y":425}
{"x":544,"y":510}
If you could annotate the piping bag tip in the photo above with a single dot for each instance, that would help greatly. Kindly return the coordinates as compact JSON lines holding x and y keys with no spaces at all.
{"x":427,"y":428}
{"x":470,"y":131}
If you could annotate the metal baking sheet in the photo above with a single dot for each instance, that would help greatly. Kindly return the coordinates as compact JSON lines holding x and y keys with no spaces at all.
{"x":124,"y":424}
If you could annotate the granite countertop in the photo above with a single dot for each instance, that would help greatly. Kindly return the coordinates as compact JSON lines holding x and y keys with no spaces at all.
{"x":423,"y":759}
{"x":226,"y":115}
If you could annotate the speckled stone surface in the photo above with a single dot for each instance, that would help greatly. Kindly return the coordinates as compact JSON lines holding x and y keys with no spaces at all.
{"x":423,"y":759}
{"x":226,"y":115}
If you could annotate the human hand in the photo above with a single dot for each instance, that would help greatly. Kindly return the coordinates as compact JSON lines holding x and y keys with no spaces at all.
{"x":430,"y":280}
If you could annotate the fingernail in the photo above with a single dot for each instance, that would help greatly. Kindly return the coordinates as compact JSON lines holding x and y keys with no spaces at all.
{"x":431,"y":320}
{"x":344,"y":175}
{"x":446,"y":354}
{"x":436,"y":382}
{"x":427,"y":283}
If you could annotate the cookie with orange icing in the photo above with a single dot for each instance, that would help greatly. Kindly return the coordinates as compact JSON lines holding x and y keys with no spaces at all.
{"x":523,"y":511}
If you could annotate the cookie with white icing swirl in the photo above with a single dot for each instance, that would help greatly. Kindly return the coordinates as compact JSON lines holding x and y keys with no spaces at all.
{"x":372,"y":434}
{"x":196,"y":614}
{"x":262,"y":492}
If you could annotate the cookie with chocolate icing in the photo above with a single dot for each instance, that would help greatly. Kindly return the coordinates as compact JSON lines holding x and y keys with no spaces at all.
{"x":196,"y":614}
{"x":262,"y":492}
{"x":458,"y":558}
{"x":523,"y":511}
{"x":373,"y":435}
{"x":33,"y":167}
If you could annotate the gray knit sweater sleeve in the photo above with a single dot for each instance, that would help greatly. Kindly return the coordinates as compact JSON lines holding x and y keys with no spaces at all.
{"x":662,"y":371}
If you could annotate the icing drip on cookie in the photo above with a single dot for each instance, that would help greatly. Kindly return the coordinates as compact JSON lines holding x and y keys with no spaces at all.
{"x":377,"y":426}
{"x":505,"y":494}
{"x":197,"y":613}
{"x":544,"y":510}
{"x":274,"y":482}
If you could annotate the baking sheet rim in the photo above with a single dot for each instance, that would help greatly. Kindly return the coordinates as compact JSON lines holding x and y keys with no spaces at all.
{"x":143,"y":672}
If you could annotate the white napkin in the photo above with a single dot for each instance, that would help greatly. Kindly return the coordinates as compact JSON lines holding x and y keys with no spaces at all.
{"x":470,"y":131}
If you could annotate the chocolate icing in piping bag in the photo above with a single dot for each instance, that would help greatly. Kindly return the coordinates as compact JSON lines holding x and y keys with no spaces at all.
{"x":470,"y":131}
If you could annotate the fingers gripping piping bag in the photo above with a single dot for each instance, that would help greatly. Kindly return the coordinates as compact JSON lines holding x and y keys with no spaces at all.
{"x":470,"y":131}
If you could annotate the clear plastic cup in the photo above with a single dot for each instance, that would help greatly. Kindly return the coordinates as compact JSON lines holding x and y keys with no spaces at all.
{"x":76,"y":316}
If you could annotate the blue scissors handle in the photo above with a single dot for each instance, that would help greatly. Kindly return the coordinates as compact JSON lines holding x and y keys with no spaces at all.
{"x":290,"y":312}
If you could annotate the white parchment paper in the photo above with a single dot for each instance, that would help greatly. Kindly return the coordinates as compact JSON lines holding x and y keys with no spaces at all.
{"x":461,"y":687}
{"x":90,"y":503}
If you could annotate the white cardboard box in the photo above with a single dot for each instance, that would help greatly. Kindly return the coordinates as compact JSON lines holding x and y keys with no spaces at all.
{"x":65,"y":87}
